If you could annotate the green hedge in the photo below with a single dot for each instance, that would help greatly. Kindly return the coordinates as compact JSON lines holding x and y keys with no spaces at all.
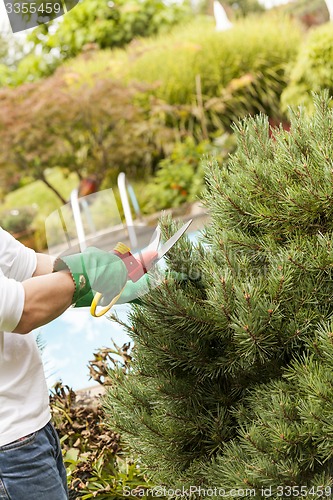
{"x":174,"y":60}
{"x":244,"y":68}
{"x":313,"y":70}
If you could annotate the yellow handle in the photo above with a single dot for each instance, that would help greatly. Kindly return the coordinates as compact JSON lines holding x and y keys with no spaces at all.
{"x":98,"y":296}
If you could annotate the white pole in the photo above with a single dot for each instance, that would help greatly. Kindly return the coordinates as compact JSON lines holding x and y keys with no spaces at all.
{"x":127,"y":210}
{"x":329,"y":4}
{"x":78,"y":219}
{"x":221,"y":18}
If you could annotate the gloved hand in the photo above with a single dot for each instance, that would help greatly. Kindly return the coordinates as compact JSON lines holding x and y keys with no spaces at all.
{"x":131,"y":294}
{"x":94,"y":271}
{"x":134,"y":290}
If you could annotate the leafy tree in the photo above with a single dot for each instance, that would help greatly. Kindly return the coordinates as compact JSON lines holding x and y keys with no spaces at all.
{"x":309,"y":13}
{"x":3,"y":48}
{"x":95,"y":129}
{"x":231,"y":378}
{"x":31,"y":68}
{"x":11,"y":52}
{"x":237,"y":8}
{"x":244,"y":7}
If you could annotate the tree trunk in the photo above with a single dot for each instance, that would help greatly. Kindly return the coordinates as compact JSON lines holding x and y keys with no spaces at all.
{"x":210,"y":7}
{"x":56,"y":192}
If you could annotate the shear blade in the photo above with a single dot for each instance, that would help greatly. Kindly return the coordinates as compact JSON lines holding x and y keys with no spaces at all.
{"x":173,"y":240}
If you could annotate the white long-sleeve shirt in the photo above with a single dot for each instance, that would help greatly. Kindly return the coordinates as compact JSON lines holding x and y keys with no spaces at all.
{"x":24,"y":401}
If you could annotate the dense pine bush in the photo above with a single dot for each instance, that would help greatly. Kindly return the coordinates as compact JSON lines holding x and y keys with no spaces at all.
{"x":231,"y":382}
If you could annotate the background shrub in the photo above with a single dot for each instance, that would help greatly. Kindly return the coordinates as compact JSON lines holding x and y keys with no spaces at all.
{"x":17,"y":221}
{"x":102,"y":24}
{"x":242,"y":69}
{"x":180,"y":177}
{"x":313,"y":70}
{"x":254,"y":45}
{"x":308,"y":13}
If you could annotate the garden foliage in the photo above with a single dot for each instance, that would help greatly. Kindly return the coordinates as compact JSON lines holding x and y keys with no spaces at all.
{"x":308,"y":13}
{"x":179,"y":178}
{"x":12,"y":52}
{"x":84,"y":129}
{"x":18,"y":221}
{"x":94,"y":24}
{"x":256,"y":47}
{"x":313,"y":69}
{"x":129,"y":109}
{"x":242,"y":70}
{"x":231,"y":381}
{"x":96,"y":464}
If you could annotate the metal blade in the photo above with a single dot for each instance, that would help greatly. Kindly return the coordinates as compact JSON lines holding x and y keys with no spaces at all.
{"x":156,"y":238}
{"x":169,"y":244}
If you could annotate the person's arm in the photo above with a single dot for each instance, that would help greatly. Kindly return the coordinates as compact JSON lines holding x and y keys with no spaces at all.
{"x":67,"y":281}
{"x":47,"y":296}
{"x":44,"y":264}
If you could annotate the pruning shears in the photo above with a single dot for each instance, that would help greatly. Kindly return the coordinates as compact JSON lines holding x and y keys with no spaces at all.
{"x":139,"y":265}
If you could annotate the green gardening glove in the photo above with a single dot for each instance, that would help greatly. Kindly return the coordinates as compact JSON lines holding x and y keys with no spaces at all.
{"x":93,"y":271}
{"x":131,"y":294}
{"x":86,"y":300}
{"x":133,"y":291}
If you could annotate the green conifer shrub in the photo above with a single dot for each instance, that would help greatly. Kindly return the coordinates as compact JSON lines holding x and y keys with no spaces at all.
{"x":231,"y":382}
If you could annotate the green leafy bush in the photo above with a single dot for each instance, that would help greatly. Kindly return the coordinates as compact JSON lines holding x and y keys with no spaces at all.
{"x":12,"y":50}
{"x":4,"y":74}
{"x":17,"y":221}
{"x":313,"y":70}
{"x":30,"y":68}
{"x":180,"y":176}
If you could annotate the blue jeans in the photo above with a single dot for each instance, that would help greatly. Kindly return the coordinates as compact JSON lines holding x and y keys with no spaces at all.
{"x":31,"y":468}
